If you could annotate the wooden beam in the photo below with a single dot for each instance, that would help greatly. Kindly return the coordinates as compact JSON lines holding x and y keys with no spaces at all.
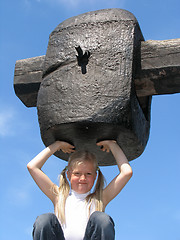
{"x":27,"y":79}
{"x":160,"y":68}
{"x":160,"y":72}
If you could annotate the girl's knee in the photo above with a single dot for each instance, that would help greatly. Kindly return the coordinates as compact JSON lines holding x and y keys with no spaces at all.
{"x":100,"y":226}
{"x":45,"y":220}
{"x":47,"y":226}
{"x":102,"y":219}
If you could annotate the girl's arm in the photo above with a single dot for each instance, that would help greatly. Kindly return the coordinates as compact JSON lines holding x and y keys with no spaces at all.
{"x":125,"y":171}
{"x":35,"y":165}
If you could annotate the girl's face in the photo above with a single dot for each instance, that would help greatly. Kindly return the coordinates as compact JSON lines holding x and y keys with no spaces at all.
{"x":82,"y":177}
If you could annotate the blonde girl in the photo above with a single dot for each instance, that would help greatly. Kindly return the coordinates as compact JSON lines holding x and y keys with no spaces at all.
{"x":78,"y":212}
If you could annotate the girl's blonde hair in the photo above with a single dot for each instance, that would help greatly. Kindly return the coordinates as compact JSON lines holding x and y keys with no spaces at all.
{"x":63,"y":190}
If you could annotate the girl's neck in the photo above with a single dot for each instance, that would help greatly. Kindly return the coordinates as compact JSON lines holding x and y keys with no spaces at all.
{"x":79,"y":195}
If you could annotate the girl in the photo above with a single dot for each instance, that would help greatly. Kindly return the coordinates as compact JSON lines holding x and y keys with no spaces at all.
{"x":79,"y":214}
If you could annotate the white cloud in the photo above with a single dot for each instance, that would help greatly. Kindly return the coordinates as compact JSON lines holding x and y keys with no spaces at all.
{"x":18,"y":196}
{"x":12,"y":121}
{"x":19,"y":193}
{"x":79,"y":4}
{"x":28,"y":231}
{"x":67,"y":3}
{"x":91,"y":3}
{"x":72,"y":3}
{"x":6,"y":119}
{"x":27,"y":3}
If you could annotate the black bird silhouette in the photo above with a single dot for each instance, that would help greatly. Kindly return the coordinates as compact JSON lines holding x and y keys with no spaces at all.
{"x":82,"y":59}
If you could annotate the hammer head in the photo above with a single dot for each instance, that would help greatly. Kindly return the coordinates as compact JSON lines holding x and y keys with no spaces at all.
{"x":101,"y":103}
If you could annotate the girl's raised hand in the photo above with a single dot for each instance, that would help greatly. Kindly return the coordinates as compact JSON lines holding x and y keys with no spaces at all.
{"x":105,"y":145}
{"x":65,"y":147}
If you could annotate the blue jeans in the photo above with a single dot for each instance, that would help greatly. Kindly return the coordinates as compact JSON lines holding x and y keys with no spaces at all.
{"x":99,"y":227}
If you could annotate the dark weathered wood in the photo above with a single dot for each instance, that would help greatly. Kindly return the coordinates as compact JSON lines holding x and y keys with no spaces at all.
{"x":160,"y":68}
{"x":108,"y":94}
{"x":27,"y":79}
{"x":160,"y":72}
{"x":85,"y":105}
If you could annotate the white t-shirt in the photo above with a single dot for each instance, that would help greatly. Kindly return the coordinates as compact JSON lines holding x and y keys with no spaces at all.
{"x":77,"y":216}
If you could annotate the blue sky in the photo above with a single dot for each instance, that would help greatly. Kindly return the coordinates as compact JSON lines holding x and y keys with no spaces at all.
{"x":148,"y":207}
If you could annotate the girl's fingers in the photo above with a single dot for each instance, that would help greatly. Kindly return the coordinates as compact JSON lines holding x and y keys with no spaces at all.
{"x":67,"y":150}
{"x":101,"y":143}
{"x":104,"y":148}
{"x":71,"y":150}
{"x":71,"y":146}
